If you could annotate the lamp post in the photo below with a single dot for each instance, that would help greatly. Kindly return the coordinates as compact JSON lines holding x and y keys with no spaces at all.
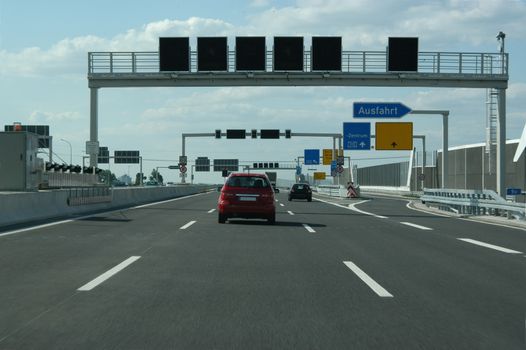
{"x":70,"y":151}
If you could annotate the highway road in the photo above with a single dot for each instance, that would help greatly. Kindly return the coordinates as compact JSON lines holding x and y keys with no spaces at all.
{"x":372,"y":275}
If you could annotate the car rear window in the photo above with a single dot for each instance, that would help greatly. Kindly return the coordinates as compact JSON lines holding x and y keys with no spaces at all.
{"x":301,"y":187}
{"x":248,"y":182}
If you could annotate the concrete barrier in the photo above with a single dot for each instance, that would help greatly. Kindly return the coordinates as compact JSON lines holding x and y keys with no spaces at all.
{"x":23,"y":207}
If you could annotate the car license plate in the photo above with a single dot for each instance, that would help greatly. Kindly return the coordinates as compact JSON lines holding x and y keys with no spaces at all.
{"x":247,"y":199}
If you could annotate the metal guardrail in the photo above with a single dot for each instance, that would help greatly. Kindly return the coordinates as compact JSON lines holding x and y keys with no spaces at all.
{"x":89,"y":195}
{"x":476,"y":63}
{"x":473,"y":202}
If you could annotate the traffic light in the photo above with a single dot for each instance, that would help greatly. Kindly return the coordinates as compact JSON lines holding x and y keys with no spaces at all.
{"x":276,"y":165}
{"x":287,"y":134}
{"x":218,"y":134}
{"x":255,"y":165}
{"x":271,"y":165}
{"x":254,"y":134}
{"x":49,"y":166}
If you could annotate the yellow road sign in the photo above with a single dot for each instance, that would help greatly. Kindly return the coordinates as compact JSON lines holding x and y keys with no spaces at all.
{"x":327,"y":156}
{"x":318,"y":175}
{"x":394,"y":137}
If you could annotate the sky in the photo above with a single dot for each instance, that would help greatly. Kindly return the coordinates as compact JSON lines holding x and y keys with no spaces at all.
{"x":44,"y":58}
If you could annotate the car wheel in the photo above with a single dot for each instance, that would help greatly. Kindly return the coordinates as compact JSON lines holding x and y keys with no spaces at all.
{"x":221,"y":219}
{"x":272,"y":219}
{"x":290,"y":199}
{"x":310,"y":199}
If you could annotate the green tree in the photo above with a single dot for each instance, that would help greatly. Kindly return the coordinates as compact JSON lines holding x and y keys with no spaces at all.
{"x":156,"y":175}
{"x":138,"y":179}
{"x":107,"y":177}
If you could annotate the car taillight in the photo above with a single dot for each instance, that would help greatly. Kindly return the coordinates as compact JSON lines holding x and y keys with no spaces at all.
{"x":227,"y":195}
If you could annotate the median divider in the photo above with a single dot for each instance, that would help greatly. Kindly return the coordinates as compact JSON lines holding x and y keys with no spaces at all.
{"x":26,"y":207}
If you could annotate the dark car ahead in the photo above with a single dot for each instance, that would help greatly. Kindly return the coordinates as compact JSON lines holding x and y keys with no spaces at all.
{"x":300,"y":191}
{"x":247,"y":196}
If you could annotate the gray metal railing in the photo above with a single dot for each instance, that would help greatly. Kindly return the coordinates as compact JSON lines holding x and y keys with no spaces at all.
{"x":89,"y":195}
{"x":352,"y":62}
{"x":472,"y":202}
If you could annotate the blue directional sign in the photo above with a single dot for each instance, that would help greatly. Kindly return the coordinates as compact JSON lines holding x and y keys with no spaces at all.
{"x":333,"y":168}
{"x":312,"y":156}
{"x":357,"y":136}
{"x":513,"y":191}
{"x":379,"y":110}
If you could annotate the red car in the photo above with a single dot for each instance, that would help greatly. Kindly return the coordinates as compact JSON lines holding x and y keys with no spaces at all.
{"x":247,"y":196}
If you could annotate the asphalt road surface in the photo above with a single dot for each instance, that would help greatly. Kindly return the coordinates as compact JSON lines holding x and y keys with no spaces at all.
{"x":373,"y":275}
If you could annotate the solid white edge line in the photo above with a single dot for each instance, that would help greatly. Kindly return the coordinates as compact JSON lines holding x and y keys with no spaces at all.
{"x":95,"y":282}
{"x":378,"y":289}
{"x":416,"y":226}
{"x":211,"y":211}
{"x":32,"y":228}
{"x":291,"y":213}
{"x":408,"y":206}
{"x":308,"y":228}
{"x":490,"y":246}
{"x":40,"y":226}
{"x":184,"y":227}
{"x":353,"y":208}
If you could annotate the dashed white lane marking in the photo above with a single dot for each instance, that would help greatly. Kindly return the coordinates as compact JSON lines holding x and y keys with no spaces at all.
{"x":184,"y":227}
{"x":282,"y":204}
{"x":291,"y":213}
{"x":353,"y":208}
{"x":416,"y":226}
{"x":276,"y":200}
{"x":490,"y":246}
{"x":378,"y":289}
{"x":308,"y":228}
{"x":94,"y":283}
{"x":211,"y":211}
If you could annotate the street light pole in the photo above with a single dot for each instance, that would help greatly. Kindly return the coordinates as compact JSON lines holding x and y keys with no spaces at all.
{"x":70,"y":151}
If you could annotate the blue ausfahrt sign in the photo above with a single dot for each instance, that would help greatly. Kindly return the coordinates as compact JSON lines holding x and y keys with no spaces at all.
{"x":379,"y":110}
{"x":357,"y":136}
{"x":312,"y":156}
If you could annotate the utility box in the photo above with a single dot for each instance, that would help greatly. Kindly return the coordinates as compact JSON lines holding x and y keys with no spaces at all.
{"x":20,"y":169}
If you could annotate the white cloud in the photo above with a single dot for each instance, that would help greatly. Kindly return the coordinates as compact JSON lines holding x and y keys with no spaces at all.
{"x":48,"y":117}
{"x":259,"y":3}
{"x":364,"y":25}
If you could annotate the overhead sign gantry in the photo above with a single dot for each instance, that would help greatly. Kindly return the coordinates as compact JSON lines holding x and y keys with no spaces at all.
{"x":175,"y":64}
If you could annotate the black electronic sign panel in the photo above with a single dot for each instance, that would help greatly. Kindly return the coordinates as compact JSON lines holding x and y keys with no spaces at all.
{"x":236,"y":134}
{"x":270,"y":133}
{"x":212,"y":54}
{"x":228,"y":164}
{"x":202,"y":164}
{"x":250,"y":53}
{"x":326,"y":53}
{"x":41,"y":130}
{"x":288,"y":53}
{"x":174,"y":54}
{"x":402,"y":54}
{"x":126,"y":157}
{"x":104,"y":155}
